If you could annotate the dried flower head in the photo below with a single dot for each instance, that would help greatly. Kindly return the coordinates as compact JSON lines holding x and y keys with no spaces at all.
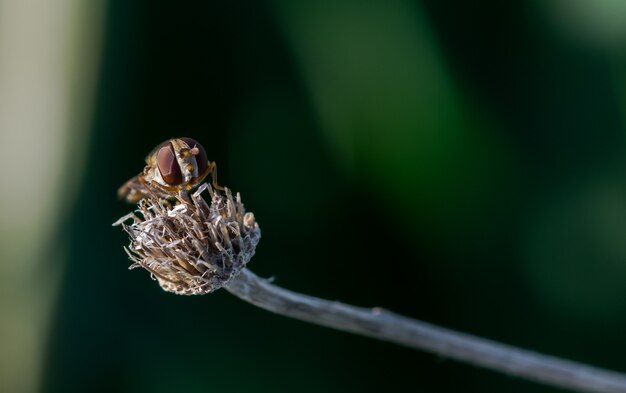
{"x":191,"y":247}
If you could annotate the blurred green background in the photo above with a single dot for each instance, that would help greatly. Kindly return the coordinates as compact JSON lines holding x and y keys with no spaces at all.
{"x":459,"y":162}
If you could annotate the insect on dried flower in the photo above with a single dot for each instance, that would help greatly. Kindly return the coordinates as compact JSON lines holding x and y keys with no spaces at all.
{"x":191,"y":247}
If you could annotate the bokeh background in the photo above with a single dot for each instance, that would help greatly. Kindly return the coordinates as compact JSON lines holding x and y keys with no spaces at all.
{"x":459,"y":162}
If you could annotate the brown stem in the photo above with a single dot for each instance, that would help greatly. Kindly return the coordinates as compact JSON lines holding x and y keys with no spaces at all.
{"x":387,"y":326}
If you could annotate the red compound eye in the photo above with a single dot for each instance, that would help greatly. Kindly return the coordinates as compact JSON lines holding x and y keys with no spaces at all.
{"x":168,"y":166}
{"x":201,"y":158}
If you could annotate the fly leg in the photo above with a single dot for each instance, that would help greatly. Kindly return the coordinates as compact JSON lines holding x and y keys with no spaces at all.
{"x":213,"y":169}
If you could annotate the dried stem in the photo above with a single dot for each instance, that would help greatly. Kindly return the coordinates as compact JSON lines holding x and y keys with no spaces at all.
{"x":387,"y":326}
{"x":193,"y":248}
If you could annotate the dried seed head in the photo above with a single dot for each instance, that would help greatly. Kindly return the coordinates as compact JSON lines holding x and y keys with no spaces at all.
{"x":191,"y":247}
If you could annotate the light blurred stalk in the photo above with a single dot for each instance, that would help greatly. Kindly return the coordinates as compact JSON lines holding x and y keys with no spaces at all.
{"x":48,"y":57}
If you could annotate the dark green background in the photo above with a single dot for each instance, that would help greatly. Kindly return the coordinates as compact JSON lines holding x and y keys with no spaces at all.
{"x":457,"y":162}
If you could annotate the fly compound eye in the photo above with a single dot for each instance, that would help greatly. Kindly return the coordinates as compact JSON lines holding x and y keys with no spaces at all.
{"x":201,"y":159}
{"x":168,"y":166}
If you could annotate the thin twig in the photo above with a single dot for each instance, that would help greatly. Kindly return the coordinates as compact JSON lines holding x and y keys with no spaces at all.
{"x":387,"y":326}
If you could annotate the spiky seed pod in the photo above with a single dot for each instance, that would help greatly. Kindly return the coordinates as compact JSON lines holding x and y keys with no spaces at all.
{"x":191,"y":247}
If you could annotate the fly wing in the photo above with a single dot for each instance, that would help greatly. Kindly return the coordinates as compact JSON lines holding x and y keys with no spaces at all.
{"x":134,"y":189}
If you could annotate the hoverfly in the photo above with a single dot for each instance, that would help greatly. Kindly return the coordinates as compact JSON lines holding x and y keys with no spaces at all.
{"x":178,"y":164}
